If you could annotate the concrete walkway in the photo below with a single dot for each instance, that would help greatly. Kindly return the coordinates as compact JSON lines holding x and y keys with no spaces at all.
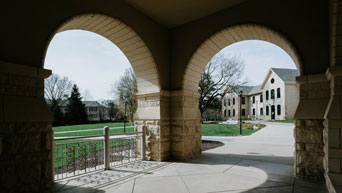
{"x":262,"y":162}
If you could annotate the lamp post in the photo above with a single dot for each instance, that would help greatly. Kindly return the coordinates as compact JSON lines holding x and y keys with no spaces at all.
{"x":240,"y":93}
{"x":125,"y":117}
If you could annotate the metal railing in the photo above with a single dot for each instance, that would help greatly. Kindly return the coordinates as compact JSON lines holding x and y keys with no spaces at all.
{"x":75,"y":156}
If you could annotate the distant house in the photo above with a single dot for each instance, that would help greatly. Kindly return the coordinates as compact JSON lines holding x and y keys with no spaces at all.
{"x":94,"y":110}
{"x":275,"y":99}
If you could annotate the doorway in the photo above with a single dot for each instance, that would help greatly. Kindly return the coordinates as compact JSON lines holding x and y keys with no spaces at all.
{"x":272,"y":112}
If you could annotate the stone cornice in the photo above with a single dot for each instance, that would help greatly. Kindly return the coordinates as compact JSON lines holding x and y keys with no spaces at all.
{"x":314,"y":78}
{"x":333,"y":71}
{"x":23,"y":70}
{"x":169,"y":93}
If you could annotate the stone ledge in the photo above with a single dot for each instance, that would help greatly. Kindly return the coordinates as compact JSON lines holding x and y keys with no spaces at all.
{"x":24,"y":70}
{"x":314,"y":78}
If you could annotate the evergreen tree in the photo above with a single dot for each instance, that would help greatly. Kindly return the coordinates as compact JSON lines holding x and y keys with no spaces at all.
{"x":112,"y":109}
{"x":75,"y":111}
{"x":57,"y":114}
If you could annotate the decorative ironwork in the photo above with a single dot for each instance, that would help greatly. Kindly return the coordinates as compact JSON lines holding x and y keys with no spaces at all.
{"x":83,"y":155}
{"x":70,"y":157}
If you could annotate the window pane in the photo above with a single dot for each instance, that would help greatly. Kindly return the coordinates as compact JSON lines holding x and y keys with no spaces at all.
{"x":272,"y":94}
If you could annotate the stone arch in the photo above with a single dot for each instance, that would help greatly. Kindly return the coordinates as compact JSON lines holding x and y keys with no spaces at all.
{"x":226,"y":37}
{"x":124,"y":37}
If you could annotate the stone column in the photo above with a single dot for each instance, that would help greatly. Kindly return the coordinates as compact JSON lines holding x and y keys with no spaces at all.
{"x":333,"y":122}
{"x":186,"y":125}
{"x":25,"y":130}
{"x":172,"y":123}
{"x":309,"y":129}
{"x":153,"y":116}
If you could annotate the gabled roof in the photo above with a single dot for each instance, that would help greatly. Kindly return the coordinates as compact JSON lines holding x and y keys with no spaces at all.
{"x":255,"y":90}
{"x":92,"y":104}
{"x":64,"y":103}
{"x":247,"y":90}
{"x":285,"y":74}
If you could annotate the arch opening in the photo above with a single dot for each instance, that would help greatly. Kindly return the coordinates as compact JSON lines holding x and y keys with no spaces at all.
{"x":222,"y":39}
{"x":126,"y":39}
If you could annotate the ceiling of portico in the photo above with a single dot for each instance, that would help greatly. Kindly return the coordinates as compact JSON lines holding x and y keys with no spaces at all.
{"x":173,"y":13}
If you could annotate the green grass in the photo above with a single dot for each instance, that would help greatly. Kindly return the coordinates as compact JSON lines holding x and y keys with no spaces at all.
{"x":60,"y":150}
{"x":207,"y":130}
{"x":226,"y":129}
{"x":283,"y":121}
{"x":89,"y":126}
{"x":96,"y":132}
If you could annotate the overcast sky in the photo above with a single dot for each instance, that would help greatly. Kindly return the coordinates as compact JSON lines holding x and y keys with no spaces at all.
{"x":94,"y":63}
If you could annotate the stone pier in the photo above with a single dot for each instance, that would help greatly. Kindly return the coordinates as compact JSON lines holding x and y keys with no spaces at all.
{"x":172,"y":124}
{"x":25,"y":130}
{"x":309,"y":129}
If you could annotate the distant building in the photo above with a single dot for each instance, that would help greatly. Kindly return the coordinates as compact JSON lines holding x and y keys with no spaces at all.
{"x":275,"y":99}
{"x":95,"y":111}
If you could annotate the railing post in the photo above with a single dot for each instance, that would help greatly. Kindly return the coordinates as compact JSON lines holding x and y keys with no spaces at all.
{"x":106,"y":148}
{"x":143,"y":143}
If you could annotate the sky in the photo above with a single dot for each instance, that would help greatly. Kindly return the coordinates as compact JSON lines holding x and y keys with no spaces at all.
{"x":94,"y":63}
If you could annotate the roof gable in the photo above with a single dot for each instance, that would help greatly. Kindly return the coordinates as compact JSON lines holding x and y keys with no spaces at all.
{"x":285,"y":74}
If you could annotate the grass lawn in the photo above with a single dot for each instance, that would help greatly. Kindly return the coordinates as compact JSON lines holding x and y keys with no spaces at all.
{"x":283,"y":121}
{"x":89,"y":126}
{"x":227,"y":130}
{"x":96,"y":132}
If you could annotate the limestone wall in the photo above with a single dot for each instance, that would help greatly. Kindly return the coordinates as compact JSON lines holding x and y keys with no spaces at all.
{"x":25,"y":130}
{"x":309,"y":131}
{"x":172,"y":123}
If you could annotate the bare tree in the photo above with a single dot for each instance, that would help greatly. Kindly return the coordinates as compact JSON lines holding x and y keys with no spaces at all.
{"x":87,"y":95}
{"x":125,"y":90}
{"x":57,"y":88}
{"x":221,"y":72}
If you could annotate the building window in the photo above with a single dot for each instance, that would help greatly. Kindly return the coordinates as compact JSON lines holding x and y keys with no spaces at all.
{"x":278,"y":92}
{"x":243,"y":112}
{"x":228,"y":113}
{"x":267,"y":110}
{"x":233,"y":101}
{"x":233,"y":112}
{"x":243,"y":100}
{"x":253,"y":99}
{"x":272,"y":94}
{"x":272,"y":80}
{"x":261,"y":98}
{"x":253,"y":111}
{"x":225,"y":103}
{"x":266,"y":94}
{"x":225,"y":113}
{"x":228,"y":102}
{"x":261,"y":111}
{"x":278,"y":109}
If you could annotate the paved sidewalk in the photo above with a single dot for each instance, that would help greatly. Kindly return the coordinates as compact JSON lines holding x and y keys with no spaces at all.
{"x":262,"y":162}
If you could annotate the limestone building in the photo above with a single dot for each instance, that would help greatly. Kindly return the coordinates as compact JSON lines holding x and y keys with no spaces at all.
{"x":275,"y":99}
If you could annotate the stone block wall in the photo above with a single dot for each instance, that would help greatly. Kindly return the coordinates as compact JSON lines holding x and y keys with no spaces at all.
{"x":25,"y":130}
{"x":152,"y":117}
{"x":309,"y":131}
{"x":333,"y":122}
{"x":186,"y":125}
{"x":309,"y":153}
{"x":172,"y":124}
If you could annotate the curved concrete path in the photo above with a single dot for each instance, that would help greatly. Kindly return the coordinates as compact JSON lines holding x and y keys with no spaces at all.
{"x":262,"y":162}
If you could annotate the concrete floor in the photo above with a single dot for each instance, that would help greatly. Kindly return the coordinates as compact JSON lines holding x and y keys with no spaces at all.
{"x":262,"y":162}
